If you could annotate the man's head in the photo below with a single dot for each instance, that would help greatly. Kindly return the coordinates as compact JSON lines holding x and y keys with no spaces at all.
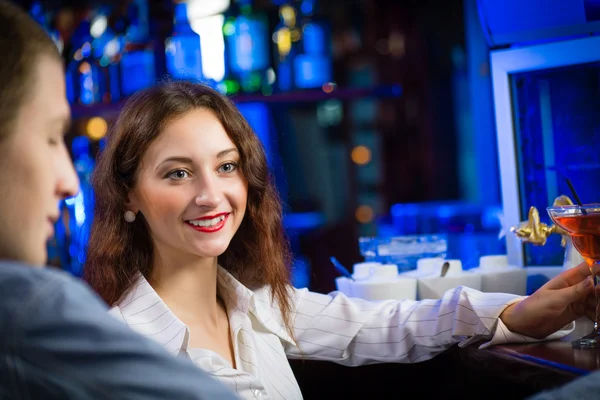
{"x":35,"y":167}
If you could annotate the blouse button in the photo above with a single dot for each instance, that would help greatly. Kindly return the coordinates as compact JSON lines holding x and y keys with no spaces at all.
{"x":258,"y":393}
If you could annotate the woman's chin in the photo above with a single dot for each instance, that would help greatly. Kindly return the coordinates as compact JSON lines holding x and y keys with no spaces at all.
{"x":212,"y":251}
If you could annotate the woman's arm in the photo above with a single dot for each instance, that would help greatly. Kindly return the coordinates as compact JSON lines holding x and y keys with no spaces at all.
{"x":353,"y":332}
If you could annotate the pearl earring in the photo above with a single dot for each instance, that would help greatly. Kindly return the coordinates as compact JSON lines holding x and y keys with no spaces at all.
{"x":129,"y":216}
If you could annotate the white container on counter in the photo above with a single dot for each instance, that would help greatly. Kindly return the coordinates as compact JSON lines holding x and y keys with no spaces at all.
{"x":430,"y":283}
{"x":500,"y":277}
{"x":375,"y":282}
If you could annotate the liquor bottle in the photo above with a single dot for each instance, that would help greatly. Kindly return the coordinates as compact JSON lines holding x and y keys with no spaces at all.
{"x":107,"y":47}
{"x":137,"y":67}
{"x":285,"y":38}
{"x":247,"y":47}
{"x":81,"y":206}
{"x":86,"y":80}
{"x":58,"y":246}
{"x":183,"y":54}
{"x":312,"y":63}
{"x":230,"y":84}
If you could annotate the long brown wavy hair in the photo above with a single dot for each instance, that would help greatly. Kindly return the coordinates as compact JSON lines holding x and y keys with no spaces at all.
{"x":258,"y":254}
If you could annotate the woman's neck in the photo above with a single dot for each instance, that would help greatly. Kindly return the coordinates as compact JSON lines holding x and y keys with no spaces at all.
{"x":188,"y":287}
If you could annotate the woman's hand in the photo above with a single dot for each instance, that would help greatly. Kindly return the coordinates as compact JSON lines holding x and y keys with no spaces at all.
{"x":563,"y":299}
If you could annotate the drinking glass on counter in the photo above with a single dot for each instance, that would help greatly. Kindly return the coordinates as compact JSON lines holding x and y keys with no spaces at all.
{"x":582,"y":223}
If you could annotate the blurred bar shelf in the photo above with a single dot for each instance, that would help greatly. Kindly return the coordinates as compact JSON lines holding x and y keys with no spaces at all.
{"x":311,"y":96}
{"x":308,"y":96}
{"x":576,"y":167}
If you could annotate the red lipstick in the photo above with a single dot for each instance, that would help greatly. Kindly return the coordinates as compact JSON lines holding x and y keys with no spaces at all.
{"x":214,"y":227}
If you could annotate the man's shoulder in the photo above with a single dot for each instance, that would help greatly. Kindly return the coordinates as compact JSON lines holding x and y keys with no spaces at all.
{"x":27,"y":291}
{"x":28,"y":286}
{"x":15,"y":273}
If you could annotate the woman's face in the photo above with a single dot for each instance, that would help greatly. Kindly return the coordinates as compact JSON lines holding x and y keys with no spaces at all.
{"x":190,"y":188}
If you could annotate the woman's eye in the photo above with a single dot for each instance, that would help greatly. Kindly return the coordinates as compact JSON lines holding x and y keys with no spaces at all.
{"x":178,"y":174}
{"x":228,"y":168}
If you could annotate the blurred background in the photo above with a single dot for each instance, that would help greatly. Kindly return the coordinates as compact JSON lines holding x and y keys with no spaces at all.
{"x":377,"y":116}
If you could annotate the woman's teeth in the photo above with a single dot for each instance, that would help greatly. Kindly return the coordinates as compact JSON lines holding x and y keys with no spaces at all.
{"x":207,"y":222}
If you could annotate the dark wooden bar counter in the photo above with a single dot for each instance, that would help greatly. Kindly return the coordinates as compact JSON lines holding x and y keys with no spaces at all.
{"x":512,"y":371}
{"x":557,"y":356}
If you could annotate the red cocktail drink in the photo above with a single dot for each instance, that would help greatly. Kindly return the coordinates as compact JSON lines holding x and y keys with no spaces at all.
{"x":582,"y":223}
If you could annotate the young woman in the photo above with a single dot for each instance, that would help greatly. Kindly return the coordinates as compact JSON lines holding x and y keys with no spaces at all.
{"x":188,"y":246}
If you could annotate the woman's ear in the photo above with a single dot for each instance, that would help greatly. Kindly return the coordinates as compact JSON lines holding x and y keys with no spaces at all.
{"x":132,"y":203}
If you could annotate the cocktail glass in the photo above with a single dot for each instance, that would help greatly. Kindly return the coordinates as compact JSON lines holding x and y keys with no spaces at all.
{"x":582,"y":223}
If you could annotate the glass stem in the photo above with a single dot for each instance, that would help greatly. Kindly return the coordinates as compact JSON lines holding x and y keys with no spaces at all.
{"x":596,"y":280}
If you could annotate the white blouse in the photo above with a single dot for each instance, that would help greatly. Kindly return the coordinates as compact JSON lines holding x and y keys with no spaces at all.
{"x":330,"y":327}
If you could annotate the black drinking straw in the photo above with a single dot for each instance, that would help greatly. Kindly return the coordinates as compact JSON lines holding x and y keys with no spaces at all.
{"x":575,"y":196}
